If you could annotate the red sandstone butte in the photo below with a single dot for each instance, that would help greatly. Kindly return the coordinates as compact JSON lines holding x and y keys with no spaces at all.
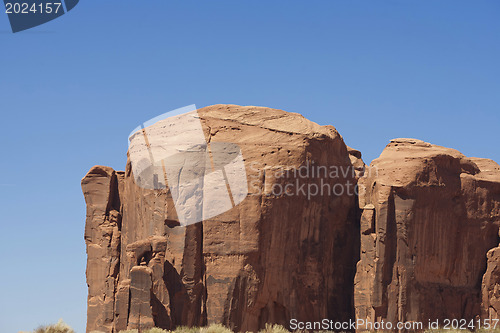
{"x":269,"y":259}
{"x":425,"y":236}
{"x":430,"y":216}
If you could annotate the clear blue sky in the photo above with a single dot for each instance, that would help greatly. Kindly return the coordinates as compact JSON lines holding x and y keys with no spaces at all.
{"x":73,"y":89}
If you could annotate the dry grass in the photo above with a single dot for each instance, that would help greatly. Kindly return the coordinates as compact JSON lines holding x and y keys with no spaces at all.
{"x":274,"y":329}
{"x":214,"y":328}
{"x":60,"y":327}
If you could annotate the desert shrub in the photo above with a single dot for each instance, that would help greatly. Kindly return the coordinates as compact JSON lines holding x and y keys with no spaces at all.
{"x":274,"y":329}
{"x":180,"y":329}
{"x":60,"y":327}
{"x":156,"y":330}
{"x":215,"y":328}
{"x":185,"y":329}
{"x":492,"y":330}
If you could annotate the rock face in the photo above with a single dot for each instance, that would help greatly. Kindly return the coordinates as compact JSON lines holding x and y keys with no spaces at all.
{"x":423,"y":244}
{"x":490,"y":307}
{"x":430,"y":215}
{"x":284,"y":252}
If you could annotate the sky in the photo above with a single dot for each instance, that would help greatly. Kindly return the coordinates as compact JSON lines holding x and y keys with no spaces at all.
{"x":73,"y":89}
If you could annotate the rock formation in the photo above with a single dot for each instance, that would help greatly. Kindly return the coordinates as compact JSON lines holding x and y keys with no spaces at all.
{"x":423,"y":243}
{"x":490,"y":293}
{"x":430,"y":215}
{"x":277,"y":255}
